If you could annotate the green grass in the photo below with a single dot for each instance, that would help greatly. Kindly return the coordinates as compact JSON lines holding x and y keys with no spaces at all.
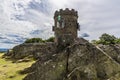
{"x":10,"y":71}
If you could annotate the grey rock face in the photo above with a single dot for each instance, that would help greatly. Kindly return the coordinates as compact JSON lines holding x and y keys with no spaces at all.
{"x":112,"y":50}
{"x":32,"y":49}
{"x":77,"y":62}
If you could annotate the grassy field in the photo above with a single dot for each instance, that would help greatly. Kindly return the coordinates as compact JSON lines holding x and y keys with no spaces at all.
{"x":10,"y":71}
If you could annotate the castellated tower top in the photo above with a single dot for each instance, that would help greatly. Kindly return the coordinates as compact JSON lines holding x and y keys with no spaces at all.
{"x":67,"y":11}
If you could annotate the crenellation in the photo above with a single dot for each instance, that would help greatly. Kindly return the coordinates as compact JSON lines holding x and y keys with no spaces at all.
{"x":71,"y":12}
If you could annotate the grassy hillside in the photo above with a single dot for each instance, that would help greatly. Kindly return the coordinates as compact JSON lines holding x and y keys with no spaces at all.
{"x":10,"y":70}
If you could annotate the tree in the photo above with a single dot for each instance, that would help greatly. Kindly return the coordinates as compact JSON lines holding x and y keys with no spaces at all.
{"x":107,"y":39}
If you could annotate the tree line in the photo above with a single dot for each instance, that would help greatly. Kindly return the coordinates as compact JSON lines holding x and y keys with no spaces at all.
{"x":39,"y":40}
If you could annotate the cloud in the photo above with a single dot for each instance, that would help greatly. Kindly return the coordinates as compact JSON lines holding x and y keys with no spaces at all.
{"x":12,"y":39}
{"x":21,"y":19}
{"x":85,"y":35}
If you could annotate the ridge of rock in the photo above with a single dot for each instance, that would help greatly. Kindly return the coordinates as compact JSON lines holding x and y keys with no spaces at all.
{"x":85,"y":62}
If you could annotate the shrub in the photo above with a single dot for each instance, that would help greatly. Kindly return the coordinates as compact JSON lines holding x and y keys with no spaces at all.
{"x":39,"y":40}
{"x":51,"y":39}
{"x":117,"y":41}
{"x":106,"y":39}
{"x":35,"y":40}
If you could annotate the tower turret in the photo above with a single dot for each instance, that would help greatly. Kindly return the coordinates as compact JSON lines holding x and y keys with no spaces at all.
{"x":65,"y":26}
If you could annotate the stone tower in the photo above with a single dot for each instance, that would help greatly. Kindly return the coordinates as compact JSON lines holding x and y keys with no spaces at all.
{"x":65,"y":26}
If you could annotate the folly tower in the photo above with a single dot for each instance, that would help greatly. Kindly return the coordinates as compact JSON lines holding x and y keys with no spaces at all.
{"x":65,"y":26}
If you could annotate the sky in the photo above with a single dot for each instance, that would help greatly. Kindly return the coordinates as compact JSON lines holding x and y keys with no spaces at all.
{"x":23,"y":19}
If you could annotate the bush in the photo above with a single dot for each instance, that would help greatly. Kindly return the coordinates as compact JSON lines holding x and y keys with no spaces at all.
{"x":39,"y":40}
{"x":51,"y":39}
{"x":106,"y":39}
{"x":35,"y":40}
{"x":117,"y":40}
{"x":96,"y":41}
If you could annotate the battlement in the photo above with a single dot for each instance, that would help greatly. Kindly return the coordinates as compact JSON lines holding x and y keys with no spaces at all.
{"x":66,"y":12}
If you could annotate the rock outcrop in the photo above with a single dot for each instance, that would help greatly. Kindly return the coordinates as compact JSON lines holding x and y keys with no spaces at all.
{"x":112,"y":50}
{"x":35,"y":50}
{"x":80,"y":61}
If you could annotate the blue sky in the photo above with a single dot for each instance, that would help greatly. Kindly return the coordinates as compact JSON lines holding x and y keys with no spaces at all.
{"x":22,"y":19}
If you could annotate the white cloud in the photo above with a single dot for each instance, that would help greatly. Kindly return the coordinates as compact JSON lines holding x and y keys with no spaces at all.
{"x":59,"y":3}
{"x":10,"y":26}
{"x":22,"y":17}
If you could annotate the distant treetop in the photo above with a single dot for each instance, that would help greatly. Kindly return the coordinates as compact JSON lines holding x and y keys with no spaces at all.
{"x":107,"y":39}
{"x":39,"y":40}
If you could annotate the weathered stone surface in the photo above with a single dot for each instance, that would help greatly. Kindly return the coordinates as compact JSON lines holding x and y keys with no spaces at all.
{"x":81,"y":62}
{"x":112,"y":50}
{"x":36,"y":50}
{"x":91,"y":64}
